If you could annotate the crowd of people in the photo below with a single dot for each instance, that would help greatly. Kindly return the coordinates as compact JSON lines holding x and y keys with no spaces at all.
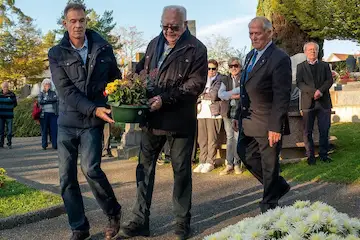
{"x":251,"y":102}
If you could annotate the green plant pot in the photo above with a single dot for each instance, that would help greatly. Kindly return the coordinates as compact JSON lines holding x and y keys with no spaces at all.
{"x":128,"y":113}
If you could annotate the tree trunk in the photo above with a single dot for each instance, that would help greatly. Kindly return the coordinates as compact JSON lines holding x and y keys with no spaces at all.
{"x":289,"y":37}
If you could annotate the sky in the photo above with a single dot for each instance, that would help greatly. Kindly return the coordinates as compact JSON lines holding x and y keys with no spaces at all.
{"x":228,"y":18}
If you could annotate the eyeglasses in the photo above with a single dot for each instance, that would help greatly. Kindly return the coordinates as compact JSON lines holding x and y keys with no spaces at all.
{"x":214,"y":69}
{"x":234,"y":66}
{"x":174,"y":28}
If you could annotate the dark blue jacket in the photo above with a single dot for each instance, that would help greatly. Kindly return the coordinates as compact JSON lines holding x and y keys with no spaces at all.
{"x":80,"y":86}
{"x":7,"y":104}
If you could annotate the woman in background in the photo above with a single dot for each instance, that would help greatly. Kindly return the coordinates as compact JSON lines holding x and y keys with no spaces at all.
{"x":48,"y":101}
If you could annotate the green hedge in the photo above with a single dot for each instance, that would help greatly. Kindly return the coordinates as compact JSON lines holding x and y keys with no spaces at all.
{"x":24,"y":125}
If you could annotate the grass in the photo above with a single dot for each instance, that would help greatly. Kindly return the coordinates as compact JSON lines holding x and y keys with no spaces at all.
{"x":345,"y":167}
{"x":16,"y":198}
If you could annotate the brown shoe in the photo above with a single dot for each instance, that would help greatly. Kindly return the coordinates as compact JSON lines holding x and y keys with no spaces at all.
{"x":228,"y":169}
{"x":113,"y":227}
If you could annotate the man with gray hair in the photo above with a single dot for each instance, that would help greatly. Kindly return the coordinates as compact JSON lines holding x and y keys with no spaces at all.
{"x":7,"y":104}
{"x":262,"y":115}
{"x":179,"y":63}
{"x":314,"y":79}
{"x":81,"y":66}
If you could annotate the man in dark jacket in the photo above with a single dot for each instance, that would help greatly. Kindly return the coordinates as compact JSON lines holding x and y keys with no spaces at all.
{"x":177,"y":64}
{"x":7,"y":104}
{"x":265,"y":88}
{"x":81,"y":66}
{"x":314,"y":79}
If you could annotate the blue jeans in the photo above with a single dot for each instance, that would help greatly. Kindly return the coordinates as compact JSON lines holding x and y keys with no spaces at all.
{"x":232,"y":156}
{"x":87,"y":142}
{"x":49,"y":121}
{"x":8,"y":122}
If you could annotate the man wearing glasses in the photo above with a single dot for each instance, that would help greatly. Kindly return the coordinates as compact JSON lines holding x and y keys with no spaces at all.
{"x":229,"y":93}
{"x":179,"y":62}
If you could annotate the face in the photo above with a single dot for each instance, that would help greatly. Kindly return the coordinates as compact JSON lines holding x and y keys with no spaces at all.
{"x":212,"y":70}
{"x":234,"y":68}
{"x":173,"y":26}
{"x":311,"y":52}
{"x":47,"y":86}
{"x":5,"y":88}
{"x":75,"y":23}
{"x":259,"y":37}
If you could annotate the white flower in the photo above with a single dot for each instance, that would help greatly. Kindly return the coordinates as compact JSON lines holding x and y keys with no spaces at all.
{"x":318,"y":236}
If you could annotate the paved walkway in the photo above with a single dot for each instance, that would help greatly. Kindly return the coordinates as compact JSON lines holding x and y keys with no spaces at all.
{"x":217,"y":201}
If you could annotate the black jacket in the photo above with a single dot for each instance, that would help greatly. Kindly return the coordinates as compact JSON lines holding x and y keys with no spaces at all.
{"x":265,"y":96}
{"x":80,"y":86}
{"x":306,"y":83}
{"x":179,"y":81}
{"x":49,"y":98}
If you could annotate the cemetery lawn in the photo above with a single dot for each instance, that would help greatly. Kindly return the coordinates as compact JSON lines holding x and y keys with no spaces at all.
{"x":345,"y":167}
{"x":16,"y":198}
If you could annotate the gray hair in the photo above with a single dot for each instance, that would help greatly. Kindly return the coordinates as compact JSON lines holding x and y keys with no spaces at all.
{"x":314,"y":43}
{"x":267,"y":25}
{"x":177,"y":8}
{"x":44,"y":82}
{"x":3,"y":84}
{"x":233,"y":59}
{"x":73,"y":6}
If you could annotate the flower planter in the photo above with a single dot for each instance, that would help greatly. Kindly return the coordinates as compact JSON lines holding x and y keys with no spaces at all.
{"x":128,"y":113}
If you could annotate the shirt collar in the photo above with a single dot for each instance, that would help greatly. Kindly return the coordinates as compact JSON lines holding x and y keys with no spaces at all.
{"x":85,"y":46}
{"x":312,"y":62}
{"x":260,"y":52}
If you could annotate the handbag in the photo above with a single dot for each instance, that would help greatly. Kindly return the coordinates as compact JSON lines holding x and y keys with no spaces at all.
{"x":36,"y":112}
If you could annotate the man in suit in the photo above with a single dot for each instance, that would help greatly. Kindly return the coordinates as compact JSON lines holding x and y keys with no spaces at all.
{"x":265,"y":88}
{"x":314,"y":78}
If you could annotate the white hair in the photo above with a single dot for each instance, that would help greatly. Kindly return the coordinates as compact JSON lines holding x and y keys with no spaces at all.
{"x":314,"y":43}
{"x":47,"y":81}
{"x":267,"y":26}
{"x":177,"y":8}
{"x":4,"y":84}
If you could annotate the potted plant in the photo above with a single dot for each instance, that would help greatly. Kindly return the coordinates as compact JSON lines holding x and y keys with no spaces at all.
{"x":127,"y":98}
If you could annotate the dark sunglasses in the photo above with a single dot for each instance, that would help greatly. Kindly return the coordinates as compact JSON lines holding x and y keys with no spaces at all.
{"x":174,"y":28}
{"x":212,"y":69}
{"x":234,"y":66}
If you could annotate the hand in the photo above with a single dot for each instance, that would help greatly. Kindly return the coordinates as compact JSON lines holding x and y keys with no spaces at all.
{"x":274,"y":138}
{"x":102,"y":113}
{"x":317,"y":95}
{"x":235,"y":125}
{"x":235,"y":96}
{"x":155,"y":103}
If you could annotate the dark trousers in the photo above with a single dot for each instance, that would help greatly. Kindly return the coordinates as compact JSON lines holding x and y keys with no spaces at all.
{"x":324,"y":121}
{"x":166,"y":151}
{"x":49,"y":123}
{"x":6,"y":123}
{"x":87,"y":142}
{"x":208,"y":135}
{"x":263,"y":162}
{"x":180,"y":152}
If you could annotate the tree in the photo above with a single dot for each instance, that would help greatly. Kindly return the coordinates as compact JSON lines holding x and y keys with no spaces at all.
{"x":7,"y":7}
{"x":104,"y":24}
{"x":298,"y":21}
{"x":22,"y":53}
{"x":219,"y":48}
{"x":48,"y":40}
{"x":132,"y":41}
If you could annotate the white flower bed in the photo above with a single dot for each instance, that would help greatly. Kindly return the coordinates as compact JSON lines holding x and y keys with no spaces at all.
{"x":303,"y":220}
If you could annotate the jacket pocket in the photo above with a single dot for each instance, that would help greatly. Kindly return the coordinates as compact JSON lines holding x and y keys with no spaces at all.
{"x":71,"y":67}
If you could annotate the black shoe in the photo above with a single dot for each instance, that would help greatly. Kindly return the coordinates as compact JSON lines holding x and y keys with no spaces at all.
{"x":264,"y":207}
{"x":80,"y":235}
{"x":1,"y":146}
{"x":9,"y":147}
{"x":286,"y":189}
{"x":182,"y":230}
{"x":311,"y":161}
{"x":113,"y":227}
{"x":326,"y":159}
{"x":44,"y":148}
{"x":134,"y":229}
